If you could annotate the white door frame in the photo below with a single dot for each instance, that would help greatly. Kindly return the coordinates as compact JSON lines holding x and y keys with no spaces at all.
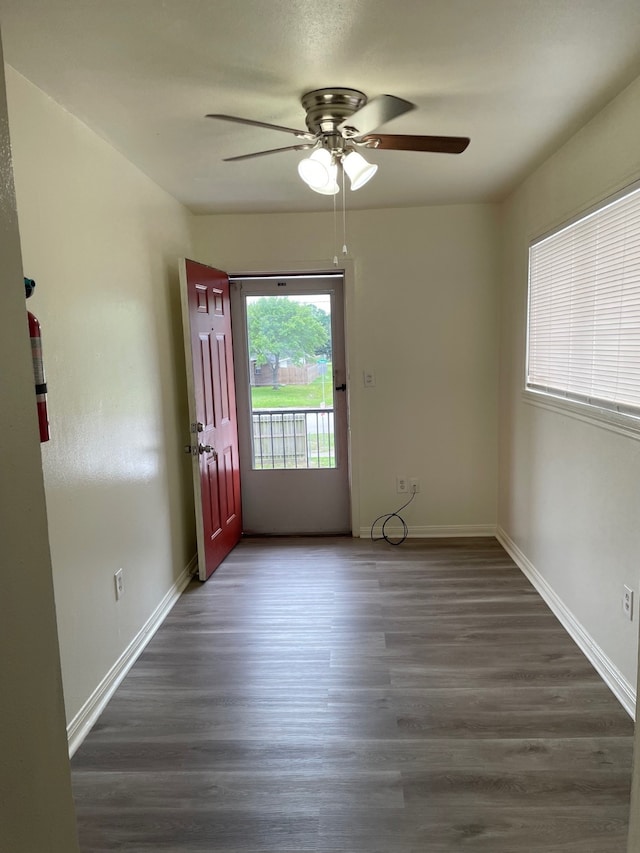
{"x":353,"y":368}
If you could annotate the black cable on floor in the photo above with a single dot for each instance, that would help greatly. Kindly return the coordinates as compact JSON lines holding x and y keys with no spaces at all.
{"x":387,"y":519}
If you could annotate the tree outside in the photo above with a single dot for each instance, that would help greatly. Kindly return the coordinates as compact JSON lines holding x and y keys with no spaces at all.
{"x":280,"y":328}
{"x":325,"y":320}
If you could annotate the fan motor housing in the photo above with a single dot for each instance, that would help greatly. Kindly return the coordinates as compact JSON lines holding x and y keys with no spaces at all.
{"x":328,"y":108}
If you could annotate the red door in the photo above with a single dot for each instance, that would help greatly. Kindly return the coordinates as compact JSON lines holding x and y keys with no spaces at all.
{"x":212,"y":409}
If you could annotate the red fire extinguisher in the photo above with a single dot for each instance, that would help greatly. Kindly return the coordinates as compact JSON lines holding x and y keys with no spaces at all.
{"x":38,"y":367}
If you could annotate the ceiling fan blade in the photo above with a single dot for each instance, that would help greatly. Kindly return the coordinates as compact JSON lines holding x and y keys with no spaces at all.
{"x":301,"y":134}
{"x":437,"y":144}
{"x":302,"y":147}
{"x":375,"y":113}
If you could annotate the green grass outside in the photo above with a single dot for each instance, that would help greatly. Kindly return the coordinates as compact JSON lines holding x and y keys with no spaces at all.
{"x":294,"y":396}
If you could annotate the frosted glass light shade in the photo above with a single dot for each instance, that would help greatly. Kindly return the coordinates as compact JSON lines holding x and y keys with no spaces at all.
{"x":358,"y":169}
{"x":314,"y":170}
{"x":332,"y":187}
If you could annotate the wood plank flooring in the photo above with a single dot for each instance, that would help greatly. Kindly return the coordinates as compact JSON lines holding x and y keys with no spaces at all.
{"x":343,"y":696}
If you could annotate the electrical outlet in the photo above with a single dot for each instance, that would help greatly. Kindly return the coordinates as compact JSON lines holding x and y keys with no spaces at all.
{"x":627,"y":602}
{"x":369,"y":378}
{"x":414,"y":485}
{"x":119,"y":584}
{"x":401,"y":485}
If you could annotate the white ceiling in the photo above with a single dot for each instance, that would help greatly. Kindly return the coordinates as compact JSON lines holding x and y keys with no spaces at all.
{"x":517,"y":76}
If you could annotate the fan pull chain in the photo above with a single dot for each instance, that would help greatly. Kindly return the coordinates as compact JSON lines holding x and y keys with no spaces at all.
{"x":345,"y":251}
{"x":335,"y":233}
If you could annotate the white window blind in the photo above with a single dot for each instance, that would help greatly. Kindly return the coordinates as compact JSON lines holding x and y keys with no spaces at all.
{"x":584,"y":309}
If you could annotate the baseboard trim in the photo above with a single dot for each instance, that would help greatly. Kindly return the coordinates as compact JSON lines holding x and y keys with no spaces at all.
{"x":621,"y":688}
{"x":426,"y":531}
{"x":81,"y":725}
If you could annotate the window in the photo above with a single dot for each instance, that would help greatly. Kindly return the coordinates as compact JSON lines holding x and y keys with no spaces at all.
{"x":584,"y":310}
{"x":292,"y":410}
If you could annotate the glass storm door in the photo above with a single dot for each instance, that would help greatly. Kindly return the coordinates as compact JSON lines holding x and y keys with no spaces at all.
{"x":292,"y":403}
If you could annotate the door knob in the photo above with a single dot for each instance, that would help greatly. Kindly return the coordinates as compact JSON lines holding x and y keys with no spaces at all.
{"x":206,"y":448}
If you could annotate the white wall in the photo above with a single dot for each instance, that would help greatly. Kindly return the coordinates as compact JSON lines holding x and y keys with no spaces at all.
{"x":35,"y":788}
{"x":101,"y":241}
{"x":569,"y":496}
{"x":423,"y":316}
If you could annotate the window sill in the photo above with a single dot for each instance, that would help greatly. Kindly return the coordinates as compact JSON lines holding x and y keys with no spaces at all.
{"x":604,"y":418}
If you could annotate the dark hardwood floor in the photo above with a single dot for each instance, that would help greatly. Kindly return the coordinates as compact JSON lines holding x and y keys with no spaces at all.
{"x":343,"y":696}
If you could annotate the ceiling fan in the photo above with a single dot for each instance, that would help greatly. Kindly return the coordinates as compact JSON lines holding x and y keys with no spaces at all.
{"x":339,"y":121}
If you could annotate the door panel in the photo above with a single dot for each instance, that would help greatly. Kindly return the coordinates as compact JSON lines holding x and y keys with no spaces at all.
{"x":212,"y":412}
{"x":222,"y":384}
{"x":293,"y":437}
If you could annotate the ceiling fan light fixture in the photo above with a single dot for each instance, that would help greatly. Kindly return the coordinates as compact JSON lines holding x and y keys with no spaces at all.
{"x":332,"y":187}
{"x":358,"y":170}
{"x":315,"y":170}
